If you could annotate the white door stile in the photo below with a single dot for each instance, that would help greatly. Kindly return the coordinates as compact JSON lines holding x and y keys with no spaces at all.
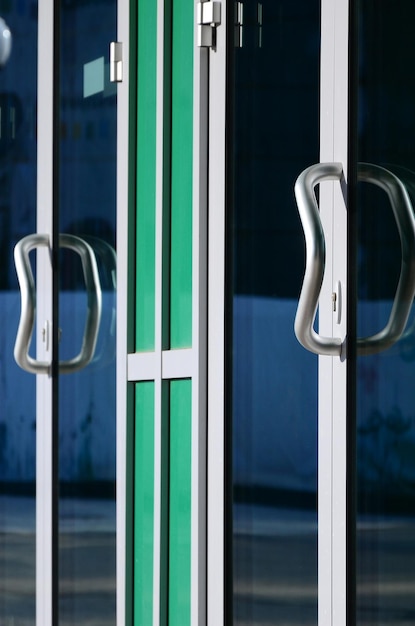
{"x":216,"y":329}
{"x":199,"y":340}
{"x":122,"y":199}
{"x":332,"y":370}
{"x":340,"y":245}
{"x":44,"y":471}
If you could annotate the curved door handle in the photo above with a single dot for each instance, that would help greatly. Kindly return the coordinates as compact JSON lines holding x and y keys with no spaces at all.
{"x":106,"y":254}
{"x":315,"y":258}
{"x":405,"y":291}
{"x":28,"y":303}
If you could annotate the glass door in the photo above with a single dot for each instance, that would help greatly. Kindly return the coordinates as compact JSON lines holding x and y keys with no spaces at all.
{"x":382,"y":135}
{"x":58,"y":109}
{"x":18,"y":170}
{"x":272,"y":382}
{"x":85,"y":214}
{"x":263,"y":420}
{"x":317,"y":465}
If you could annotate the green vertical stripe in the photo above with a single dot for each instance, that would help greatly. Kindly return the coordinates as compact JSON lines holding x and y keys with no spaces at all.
{"x":182,"y":163}
{"x":146,"y":174}
{"x":164,"y":502}
{"x":129,"y":505}
{"x":144,"y":504}
{"x":180,"y":502}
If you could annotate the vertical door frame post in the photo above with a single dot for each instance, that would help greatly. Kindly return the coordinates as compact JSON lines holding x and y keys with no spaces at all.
{"x":124,"y":586}
{"x":216,"y":327}
{"x":44,"y":412}
{"x":332,"y":432}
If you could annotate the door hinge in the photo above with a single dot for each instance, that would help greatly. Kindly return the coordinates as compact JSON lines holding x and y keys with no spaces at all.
{"x":208,"y":18}
{"x":259,"y":20}
{"x":115,"y":62}
{"x":239,"y":24}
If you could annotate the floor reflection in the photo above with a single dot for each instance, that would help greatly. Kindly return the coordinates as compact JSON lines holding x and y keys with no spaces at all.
{"x":87,"y":562}
{"x":275,"y":566}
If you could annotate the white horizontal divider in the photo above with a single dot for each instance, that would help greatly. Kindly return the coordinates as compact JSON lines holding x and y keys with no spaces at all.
{"x":174,"y":364}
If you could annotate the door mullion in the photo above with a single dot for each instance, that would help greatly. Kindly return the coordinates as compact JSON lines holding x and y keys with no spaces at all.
{"x":216,"y":332}
{"x":44,"y":428}
{"x":124,"y":565}
{"x":332,"y":371}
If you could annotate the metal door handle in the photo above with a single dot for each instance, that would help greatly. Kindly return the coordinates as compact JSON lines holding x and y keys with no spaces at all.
{"x":107,"y":256}
{"x":405,"y":291}
{"x":315,"y":258}
{"x":28,"y":303}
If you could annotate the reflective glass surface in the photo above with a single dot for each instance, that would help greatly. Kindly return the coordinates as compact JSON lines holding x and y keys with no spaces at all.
{"x":386,"y":379}
{"x":86,"y":415}
{"x":18,"y":96}
{"x":87,"y":210}
{"x":272,"y":380}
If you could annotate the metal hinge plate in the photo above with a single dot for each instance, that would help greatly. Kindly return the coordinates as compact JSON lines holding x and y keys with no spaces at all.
{"x":208,"y":16}
{"x":239,"y":23}
{"x":116,"y":62}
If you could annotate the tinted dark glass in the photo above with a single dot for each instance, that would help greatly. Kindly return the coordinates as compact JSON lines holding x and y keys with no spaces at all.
{"x":385,"y":381}
{"x":18,"y":160}
{"x":87,"y":209}
{"x":272,"y":380}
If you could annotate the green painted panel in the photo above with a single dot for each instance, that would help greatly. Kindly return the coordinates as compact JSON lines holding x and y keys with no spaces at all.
{"x":181,"y":169}
{"x":180,"y":502}
{"x":146,"y":174}
{"x":129,"y":508}
{"x":144,"y":504}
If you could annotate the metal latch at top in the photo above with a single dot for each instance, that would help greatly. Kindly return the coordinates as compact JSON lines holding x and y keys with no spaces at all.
{"x":116,"y":62}
{"x":208,"y":18}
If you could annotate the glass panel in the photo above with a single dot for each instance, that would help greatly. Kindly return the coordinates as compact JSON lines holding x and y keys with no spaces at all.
{"x":144,"y":503}
{"x":386,"y":380}
{"x":18,"y":96}
{"x":181,"y":175}
{"x":146,"y":175}
{"x":87,"y":209}
{"x":180,"y":488}
{"x":272,"y":543}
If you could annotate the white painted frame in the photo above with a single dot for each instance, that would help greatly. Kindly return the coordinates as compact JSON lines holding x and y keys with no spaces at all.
{"x":44,"y":205}
{"x":122,"y":199}
{"x":332,"y":440}
{"x":216,"y":329}
{"x":199,"y":328}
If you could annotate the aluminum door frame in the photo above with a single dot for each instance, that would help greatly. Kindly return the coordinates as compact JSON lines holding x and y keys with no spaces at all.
{"x":332,"y":370}
{"x":44,"y":400}
{"x":332,"y":441}
{"x":122,"y":199}
{"x":216,"y":328}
